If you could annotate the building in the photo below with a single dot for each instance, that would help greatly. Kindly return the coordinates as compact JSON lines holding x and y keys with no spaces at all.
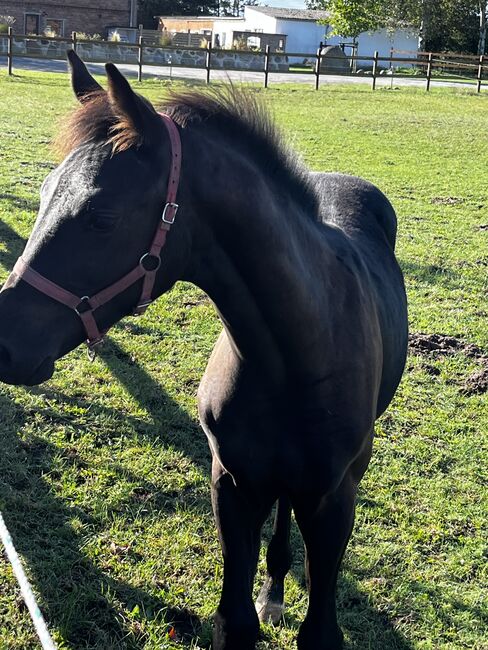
{"x":304,"y":33}
{"x":295,"y":31}
{"x":61,"y":18}
{"x":224,"y":32}
{"x":298,"y":28}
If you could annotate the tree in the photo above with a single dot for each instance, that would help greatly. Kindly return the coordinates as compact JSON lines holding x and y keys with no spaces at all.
{"x":150,"y":8}
{"x":349,"y":18}
{"x":483,"y":13}
{"x":235,"y":7}
{"x":455,"y":25}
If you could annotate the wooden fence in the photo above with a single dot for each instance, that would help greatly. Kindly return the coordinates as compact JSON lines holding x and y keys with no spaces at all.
{"x":415,"y":65}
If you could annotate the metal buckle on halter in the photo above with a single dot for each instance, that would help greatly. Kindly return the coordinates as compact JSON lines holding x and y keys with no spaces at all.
{"x":147,"y":257}
{"x":92,"y":347}
{"x":84,"y":301}
{"x":141,"y":308}
{"x":168,"y":206}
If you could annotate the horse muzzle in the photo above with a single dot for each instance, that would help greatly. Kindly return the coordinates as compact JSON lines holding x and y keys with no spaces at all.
{"x":22,"y":369}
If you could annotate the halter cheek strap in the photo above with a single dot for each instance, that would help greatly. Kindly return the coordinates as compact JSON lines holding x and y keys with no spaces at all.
{"x":147,"y":268}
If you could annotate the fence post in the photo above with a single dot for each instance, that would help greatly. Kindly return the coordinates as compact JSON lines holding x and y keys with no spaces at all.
{"x":266,"y":66}
{"x":139,"y":59}
{"x":10,"y":50}
{"x":429,"y":70}
{"x":73,"y":40}
{"x":480,"y":72}
{"x":375,"y":68}
{"x":317,"y":65}
{"x":208,"y":57}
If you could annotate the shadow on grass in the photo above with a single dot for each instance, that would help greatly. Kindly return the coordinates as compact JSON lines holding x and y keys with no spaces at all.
{"x":85,"y":604}
{"x":20,"y":203}
{"x":13,"y":243}
{"x":430,"y":274}
{"x":173,"y":424}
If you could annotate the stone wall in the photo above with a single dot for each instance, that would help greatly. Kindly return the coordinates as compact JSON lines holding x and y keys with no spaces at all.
{"x":99,"y":51}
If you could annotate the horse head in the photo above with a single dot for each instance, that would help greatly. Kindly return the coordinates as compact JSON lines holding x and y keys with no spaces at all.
{"x":99,"y":212}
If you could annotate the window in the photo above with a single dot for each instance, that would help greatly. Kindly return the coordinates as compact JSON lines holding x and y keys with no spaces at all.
{"x":55,"y":25}
{"x":31,"y":23}
{"x":253,"y":41}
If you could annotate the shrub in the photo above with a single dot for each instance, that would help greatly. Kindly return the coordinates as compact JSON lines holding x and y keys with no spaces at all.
{"x":165,"y":40}
{"x":5,"y":23}
{"x":88,"y":37}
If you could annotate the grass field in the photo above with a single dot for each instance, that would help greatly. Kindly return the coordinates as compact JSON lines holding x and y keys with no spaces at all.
{"x":104,"y":471}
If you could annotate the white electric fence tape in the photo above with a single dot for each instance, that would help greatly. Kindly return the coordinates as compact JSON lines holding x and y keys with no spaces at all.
{"x":39,"y":623}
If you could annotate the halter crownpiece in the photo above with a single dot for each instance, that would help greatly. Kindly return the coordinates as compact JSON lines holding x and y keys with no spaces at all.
{"x":147,"y":268}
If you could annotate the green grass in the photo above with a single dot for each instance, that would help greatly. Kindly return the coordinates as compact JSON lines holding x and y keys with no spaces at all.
{"x":104,"y":472}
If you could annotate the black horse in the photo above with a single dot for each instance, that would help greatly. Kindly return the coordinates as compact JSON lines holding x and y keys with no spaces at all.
{"x":302,"y":271}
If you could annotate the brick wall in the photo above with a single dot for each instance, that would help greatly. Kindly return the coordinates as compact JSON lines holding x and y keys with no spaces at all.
{"x":89,"y":16}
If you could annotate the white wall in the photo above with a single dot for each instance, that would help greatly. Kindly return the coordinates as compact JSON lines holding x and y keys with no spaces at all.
{"x":302,"y":35}
{"x":305,"y":35}
{"x":257,"y":20}
{"x":383,"y":41}
{"x":224,"y":29}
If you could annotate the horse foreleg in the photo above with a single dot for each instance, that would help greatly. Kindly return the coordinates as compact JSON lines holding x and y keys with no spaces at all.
{"x":270,"y":602}
{"x":239,"y":517}
{"x":326,"y":527}
{"x":326,"y":523}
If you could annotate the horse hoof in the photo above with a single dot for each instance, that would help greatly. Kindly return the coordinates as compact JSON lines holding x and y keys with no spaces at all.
{"x":268,"y":609}
{"x":320,"y":639}
{"x":235,"y":634}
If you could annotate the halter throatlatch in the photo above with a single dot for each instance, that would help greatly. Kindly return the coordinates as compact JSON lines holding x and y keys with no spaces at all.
{"x":146,"y":269}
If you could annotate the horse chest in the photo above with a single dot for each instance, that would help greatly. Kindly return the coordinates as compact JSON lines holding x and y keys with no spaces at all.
{"x":281,"y":439}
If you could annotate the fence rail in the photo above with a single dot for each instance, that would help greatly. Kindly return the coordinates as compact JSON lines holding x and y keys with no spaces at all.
{"x":427,"y":65}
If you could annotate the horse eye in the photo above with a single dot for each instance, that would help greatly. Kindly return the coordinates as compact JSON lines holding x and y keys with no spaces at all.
{"x":101,"y":221}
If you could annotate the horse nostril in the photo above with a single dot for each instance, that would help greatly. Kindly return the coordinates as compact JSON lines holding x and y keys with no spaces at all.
{"x":5,"y":356}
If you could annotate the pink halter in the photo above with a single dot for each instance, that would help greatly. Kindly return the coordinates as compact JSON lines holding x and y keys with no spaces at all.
{"x":147,"y":267}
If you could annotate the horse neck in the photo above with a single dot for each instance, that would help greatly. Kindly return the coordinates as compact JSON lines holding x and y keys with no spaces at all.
{"x":250,"y":254}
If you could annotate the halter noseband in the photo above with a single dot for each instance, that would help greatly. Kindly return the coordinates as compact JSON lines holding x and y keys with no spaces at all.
{"x":147,"y":267}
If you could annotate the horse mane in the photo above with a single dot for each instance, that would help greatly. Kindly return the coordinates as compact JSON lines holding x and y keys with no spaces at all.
{"x":242,"y":115}
{"x":238,"y":113}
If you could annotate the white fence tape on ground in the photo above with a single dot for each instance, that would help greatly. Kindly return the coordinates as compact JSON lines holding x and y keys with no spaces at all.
{"x":39,"y":623}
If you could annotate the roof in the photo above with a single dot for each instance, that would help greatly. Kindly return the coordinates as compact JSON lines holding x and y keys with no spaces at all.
{"x":190,"y":18}
{"x":291,"y":14}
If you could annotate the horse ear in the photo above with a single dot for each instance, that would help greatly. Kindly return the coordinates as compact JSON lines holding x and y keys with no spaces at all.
{"x":135,"y":109}
{"x":81,"y":80}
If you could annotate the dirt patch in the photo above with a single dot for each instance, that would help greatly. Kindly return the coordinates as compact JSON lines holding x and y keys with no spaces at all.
{"x":477,"y":383}
{"x":438,"y":345}
{"x":483,"y":226}
{"x":442,"y":344}
{"x":432,"y":370}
